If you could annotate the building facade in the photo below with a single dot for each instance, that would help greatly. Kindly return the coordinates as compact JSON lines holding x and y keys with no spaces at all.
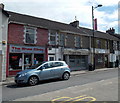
{"x":32,"y":40}
{"x":3,"y":41}
{"x":26,"y":46}
{"x":69,"y":44}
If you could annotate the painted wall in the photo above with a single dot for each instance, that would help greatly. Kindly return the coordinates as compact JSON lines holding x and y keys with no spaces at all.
{"x":0,"y":45}
{"x":3,"y":47}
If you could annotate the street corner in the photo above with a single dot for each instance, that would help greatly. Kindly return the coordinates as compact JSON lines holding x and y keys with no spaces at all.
{"x":64,"y":99}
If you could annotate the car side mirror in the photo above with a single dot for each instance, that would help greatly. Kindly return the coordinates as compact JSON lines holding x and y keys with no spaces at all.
{"x":41,"y":68}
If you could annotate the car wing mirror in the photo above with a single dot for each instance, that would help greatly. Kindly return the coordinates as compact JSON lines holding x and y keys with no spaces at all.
{"x":41,"y":68}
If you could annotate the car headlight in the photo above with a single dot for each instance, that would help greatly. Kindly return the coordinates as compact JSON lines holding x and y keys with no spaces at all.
{"x":22,"y":75}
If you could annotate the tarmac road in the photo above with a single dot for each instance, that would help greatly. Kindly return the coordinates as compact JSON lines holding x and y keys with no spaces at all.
{"x":13,"y":92}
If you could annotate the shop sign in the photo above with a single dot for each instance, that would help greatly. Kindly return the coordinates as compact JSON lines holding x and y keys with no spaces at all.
{"x":26,"y":49}
{"x":76,"y":52}
{"x":102,"y":51}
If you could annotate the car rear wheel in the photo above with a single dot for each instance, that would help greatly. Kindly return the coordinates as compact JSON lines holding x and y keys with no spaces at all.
{"x":66,"y":76}
{"x":33,"y":80}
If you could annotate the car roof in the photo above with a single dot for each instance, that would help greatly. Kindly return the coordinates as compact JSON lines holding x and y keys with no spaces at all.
{"x":55,"y":61}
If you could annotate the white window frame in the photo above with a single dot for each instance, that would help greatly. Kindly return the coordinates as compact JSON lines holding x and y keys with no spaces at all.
{"x":52,"y":34}
{"x":61,"y":39}
{"x":35,"y":32}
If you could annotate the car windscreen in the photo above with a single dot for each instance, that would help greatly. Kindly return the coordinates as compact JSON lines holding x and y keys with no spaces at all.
{"x":36,"y":65}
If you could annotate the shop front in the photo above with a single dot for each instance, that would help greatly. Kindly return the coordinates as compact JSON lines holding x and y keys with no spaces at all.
{"x":101,"y":58}
{"x":22,"y":57}
{"x":76,"y":59}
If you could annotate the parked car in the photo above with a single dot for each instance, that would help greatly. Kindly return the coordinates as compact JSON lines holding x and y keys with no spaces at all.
{"x":47,"y":70}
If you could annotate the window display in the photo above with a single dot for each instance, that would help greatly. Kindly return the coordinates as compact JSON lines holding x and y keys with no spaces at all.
{"x":27,"y":60}
{"x":38,"y":58}
{"x":15,"y":62}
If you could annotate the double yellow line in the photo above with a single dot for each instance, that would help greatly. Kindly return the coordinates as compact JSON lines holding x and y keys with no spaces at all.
{"x":72,"y":100}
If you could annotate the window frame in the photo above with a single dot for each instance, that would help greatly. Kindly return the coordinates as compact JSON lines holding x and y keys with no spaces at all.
{"x":62,"y":39}
{"x":77,"y":42}
{"x":99,"y":43}
{"x":52,"y":34}
{"x":30,"y":33}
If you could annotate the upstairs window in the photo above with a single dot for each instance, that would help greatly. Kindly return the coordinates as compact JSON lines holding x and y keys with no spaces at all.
{"x":61,"y":39}
{"x":98,"y":42}
{"x":115,"y":45}
{"x":52,"y":37}
{"x":119,"y":45}
{"x":77,"y":42}
{"x":106,"y":44}
{"x":30,"y":35}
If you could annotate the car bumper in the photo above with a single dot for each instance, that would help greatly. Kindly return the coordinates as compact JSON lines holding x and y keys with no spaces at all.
{"x":20,"y":81}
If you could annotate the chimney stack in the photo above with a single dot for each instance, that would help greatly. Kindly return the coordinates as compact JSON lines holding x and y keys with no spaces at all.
{"x":111,"y":31}
{"x":75,"y":24}
{"x":2,"y":6}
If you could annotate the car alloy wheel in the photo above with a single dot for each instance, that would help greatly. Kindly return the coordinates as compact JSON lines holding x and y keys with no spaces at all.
{"x":33,"y":80}
{"x":66,"y":76}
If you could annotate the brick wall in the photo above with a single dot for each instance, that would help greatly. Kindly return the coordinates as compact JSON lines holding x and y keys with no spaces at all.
{"x":42,"y":37}
{"x":16,"y":35}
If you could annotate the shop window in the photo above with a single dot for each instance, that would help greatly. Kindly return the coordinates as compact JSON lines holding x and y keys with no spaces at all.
{"x":15,"y":62}
{"x":100,"y":59}
{"x":27,"y":60}
{"x":30,"y":35}
{"x":38,"y":58}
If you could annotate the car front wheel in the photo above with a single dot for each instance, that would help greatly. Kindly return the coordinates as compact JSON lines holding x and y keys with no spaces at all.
{"x":33,"y":80}
{"x":66,"y":76}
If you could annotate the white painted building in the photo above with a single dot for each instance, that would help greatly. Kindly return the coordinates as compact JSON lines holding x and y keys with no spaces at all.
{"x":3,"y":41}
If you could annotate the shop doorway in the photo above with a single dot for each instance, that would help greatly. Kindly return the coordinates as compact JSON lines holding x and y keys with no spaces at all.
{"x":106,"y":61}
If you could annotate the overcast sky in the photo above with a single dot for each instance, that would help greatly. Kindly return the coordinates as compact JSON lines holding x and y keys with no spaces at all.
{"x":66,"y":10}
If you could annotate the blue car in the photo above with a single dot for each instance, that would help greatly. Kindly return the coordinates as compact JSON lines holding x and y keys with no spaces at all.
{"x":45,"y":71}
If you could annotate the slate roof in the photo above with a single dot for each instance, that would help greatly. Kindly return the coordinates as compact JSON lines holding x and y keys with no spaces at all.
{"x":99,"y":34}
{"x":49,"y":24}
{"x":116,"y":35}
{"x":45,"y":23}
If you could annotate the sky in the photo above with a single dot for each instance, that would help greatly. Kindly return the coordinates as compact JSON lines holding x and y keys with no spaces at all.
{"x":65,"y":11}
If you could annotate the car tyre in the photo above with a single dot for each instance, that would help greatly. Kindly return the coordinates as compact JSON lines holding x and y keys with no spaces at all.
{"x":66,"y":76}
{"x":33,"y":80}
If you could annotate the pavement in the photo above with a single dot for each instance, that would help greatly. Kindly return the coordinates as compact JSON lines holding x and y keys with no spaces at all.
{"x":10,"y":80}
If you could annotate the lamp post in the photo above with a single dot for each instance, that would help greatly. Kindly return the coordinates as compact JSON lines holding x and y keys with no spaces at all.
{"x":94,"y":34}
